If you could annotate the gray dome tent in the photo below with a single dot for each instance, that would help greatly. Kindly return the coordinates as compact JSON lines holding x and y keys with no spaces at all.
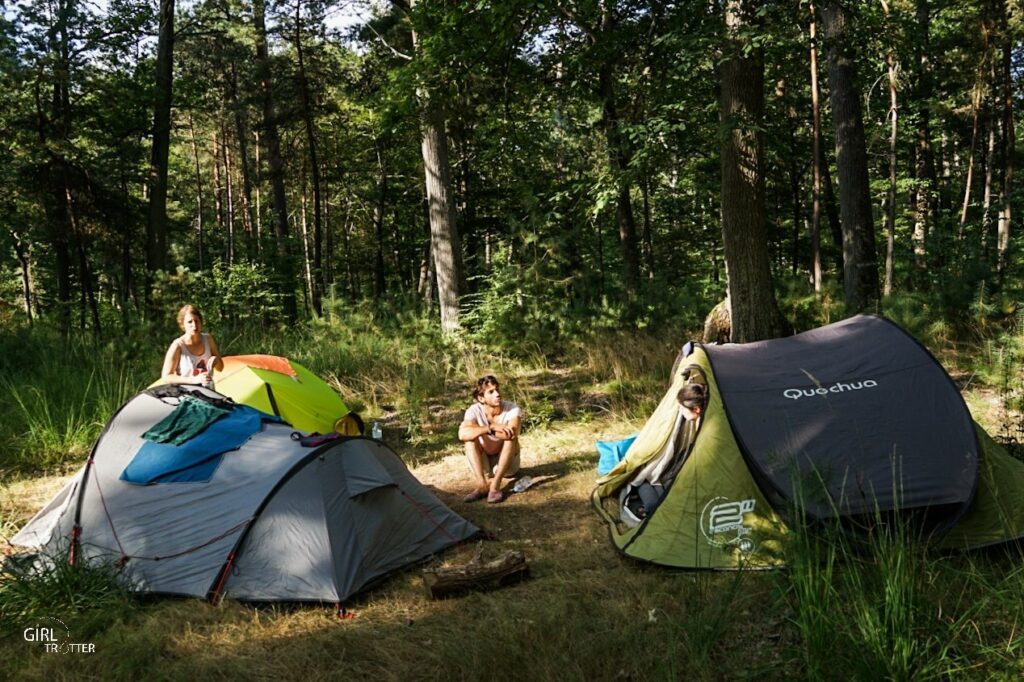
{"x":274,"y":521}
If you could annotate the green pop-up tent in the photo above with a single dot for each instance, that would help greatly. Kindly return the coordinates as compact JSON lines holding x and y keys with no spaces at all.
{"x":848,"y":423}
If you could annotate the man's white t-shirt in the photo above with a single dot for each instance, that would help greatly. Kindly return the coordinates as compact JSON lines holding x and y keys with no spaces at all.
{"x":478,"y":415}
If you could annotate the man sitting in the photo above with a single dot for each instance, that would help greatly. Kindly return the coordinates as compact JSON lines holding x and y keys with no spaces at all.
{"x":490,"y":430}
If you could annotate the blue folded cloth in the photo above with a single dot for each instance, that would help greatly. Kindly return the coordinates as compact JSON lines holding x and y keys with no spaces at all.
{"x":611,"y":452}
{"x":196,"y":459}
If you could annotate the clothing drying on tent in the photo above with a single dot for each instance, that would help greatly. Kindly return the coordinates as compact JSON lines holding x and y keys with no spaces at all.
{"x":276,"y":521}
{"x":286,"y":389}
{"x":848,"y":423}
{"x":196,"y":458}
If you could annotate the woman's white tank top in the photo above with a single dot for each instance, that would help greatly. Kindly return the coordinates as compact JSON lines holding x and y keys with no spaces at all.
{"x":191,"y":365}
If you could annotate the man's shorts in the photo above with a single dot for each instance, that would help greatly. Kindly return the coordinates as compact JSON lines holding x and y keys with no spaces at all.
{"x":492,"y":462}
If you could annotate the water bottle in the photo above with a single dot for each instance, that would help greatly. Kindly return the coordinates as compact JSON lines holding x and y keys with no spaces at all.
{"x":375,"y":432}
{"x":522,"y":484}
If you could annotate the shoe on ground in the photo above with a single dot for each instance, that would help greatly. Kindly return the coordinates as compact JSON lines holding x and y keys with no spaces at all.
{"x":495,"y":496}
{"x":475,"y":495}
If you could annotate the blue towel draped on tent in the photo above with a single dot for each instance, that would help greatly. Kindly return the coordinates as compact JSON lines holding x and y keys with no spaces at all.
{"x":196,"y":459}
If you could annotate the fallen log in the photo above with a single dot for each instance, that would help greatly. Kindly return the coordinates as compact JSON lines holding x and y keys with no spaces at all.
{"x":507,"y":569}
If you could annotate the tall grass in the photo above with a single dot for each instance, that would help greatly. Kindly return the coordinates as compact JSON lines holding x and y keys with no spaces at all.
{"x":34,"y":587}
{"x":887,"y":607}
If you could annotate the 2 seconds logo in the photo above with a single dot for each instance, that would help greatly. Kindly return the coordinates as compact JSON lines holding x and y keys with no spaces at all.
{"x":55,"y":638}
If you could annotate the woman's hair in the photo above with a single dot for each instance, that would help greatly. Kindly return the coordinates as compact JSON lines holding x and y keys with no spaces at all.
{"x":693,"y":395}
{"x":185,"y":310}
{"x":481,"y":385}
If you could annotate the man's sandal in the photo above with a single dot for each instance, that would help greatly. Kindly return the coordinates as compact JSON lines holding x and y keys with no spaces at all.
{"x":475,"y":495}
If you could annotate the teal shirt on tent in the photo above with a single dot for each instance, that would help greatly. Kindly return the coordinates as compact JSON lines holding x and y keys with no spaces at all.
{"x":189,"y":419}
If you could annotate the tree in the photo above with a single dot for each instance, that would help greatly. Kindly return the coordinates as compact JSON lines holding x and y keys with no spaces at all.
{"x":445,"y":247}
{"x":755,"y":313}
{"x":156,"y":227}
{"x":860,"y":260}
{"x":275,"y":164}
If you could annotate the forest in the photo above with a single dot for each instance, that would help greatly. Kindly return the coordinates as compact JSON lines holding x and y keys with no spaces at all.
{"x":405,"y":195}
{"x":518,"y":171}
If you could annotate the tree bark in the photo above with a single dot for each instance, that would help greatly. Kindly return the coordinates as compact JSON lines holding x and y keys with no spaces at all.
{"x":199,"y":189}
{"x":1009,"y":149}
{"x":986,"y":198}
{"x":860,"y":260}
{"x":317,"y":283}
{"x":275,"y":167}
{"x":924,"y":208}
{"x":620,"y":158}
{"x":755,"y":313}
{"x":890,"y":196}
{"x":444,"y":235}
{"x":242,"y":132}
{"x":54,"y":128}
{"x":977,"y":97}
{"x":156,"y":227}
{"x":379,"y":208}
{"x":22,"y":249}
{"x":229,"y":193}
{"x":816,"y":158}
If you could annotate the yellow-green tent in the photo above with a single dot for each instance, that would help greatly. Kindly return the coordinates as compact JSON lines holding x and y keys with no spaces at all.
{"x":287,"y":389}
{"x":846,"y":424}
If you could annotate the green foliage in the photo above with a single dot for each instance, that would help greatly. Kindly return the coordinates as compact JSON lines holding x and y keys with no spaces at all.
{"x":61,"y":394}
{"x":35,"y":588}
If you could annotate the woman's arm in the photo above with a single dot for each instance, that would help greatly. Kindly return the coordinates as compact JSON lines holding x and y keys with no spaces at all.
{"x":216,"y":362}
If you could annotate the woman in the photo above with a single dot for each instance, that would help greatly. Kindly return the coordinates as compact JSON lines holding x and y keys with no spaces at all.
{"x":193,"y":356}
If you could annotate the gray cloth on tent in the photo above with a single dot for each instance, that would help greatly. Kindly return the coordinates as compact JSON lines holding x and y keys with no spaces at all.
{"x":190,"y":418}
{"x":641,"y":495}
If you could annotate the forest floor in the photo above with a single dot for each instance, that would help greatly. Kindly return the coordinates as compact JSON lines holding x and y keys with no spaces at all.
{"x":585,"y":613}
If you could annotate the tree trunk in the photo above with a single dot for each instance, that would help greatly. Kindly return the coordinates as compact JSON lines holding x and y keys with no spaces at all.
{"x":55,"y":126}
{"x":242,"y":133}
{"x":306,"y":257}
{"x":84,"y":271}
{"x":199,"y":189}
{"x":620,"y":157}
{"x":444,"y":235}
{"x":860,"y":260}
{"x":816,"y":156}
{"x":986,"y":198}
{"x":285,"y":265}
{"x":22,"y":249}
{"x":259,"y":196}
{"x":156,"y":227}
{"x":977,"y":97}
{"x":229,"y":194}
{"x":755,"y":313}
{"x":924,"y":208}
{"x":890,"y":196}
{"x":1009,"y":149}
{"x":378,"y":222}
{"x":316,"y":291}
